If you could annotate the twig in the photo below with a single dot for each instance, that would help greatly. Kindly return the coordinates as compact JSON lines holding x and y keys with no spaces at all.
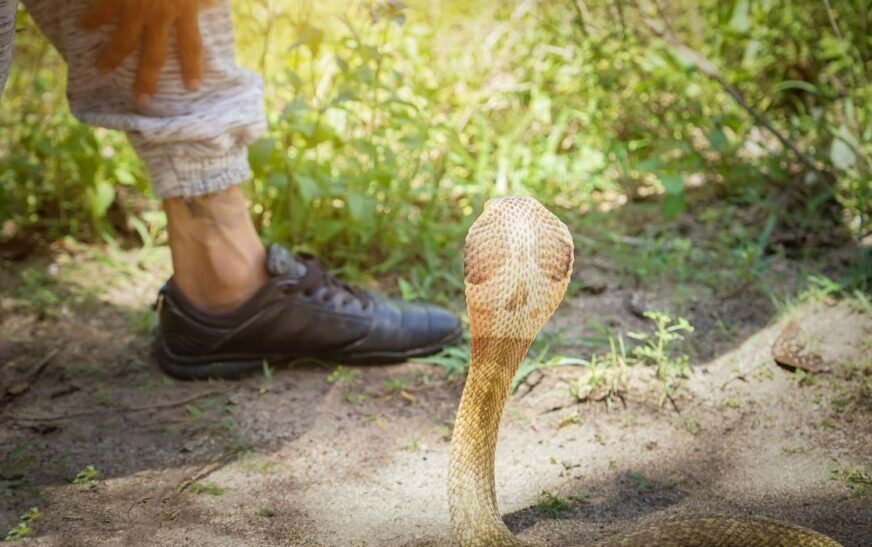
{"x":159,"y":406}
{"x":31,"y":378}
{"x":709,"y":69}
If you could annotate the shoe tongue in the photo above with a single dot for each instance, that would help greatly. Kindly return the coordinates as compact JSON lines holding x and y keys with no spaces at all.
{"x":281,"y":262}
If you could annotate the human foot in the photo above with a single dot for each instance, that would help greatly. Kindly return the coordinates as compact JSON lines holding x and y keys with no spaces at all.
{"x":301,"y":311}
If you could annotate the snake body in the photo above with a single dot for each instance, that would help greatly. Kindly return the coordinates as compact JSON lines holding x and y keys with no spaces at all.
{"x":517,"y":263}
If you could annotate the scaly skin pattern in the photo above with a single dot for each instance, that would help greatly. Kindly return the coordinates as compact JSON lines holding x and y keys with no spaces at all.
{"x":517,"y":264}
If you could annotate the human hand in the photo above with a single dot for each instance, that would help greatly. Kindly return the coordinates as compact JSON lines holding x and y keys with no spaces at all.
{"x":151,"y":20}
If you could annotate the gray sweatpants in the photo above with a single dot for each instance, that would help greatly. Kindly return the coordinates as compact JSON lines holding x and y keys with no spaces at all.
{"x":192,"y":142}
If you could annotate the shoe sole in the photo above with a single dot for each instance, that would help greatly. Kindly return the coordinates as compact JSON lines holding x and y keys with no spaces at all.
{"x":235,"y":366}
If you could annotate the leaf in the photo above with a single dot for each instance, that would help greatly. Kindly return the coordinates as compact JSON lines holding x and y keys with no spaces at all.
{"x":307,"y":187}
{"x":740,"y":20}
{"x":258,"y":155}
{"x":717,"y":139}
{"x":796,"y":84}
{"x":674,"y":201}
{"x":309,"y":36}
{"x":361,"y":208}
{"x":841,"y":154}
{"x":277,"y":179}
{"x":100,"y":197}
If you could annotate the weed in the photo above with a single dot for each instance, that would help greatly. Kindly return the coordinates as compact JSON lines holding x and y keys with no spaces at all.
{"x":395,"y":385}
{"x":413,"y":444}
{"x":733,"y":402}
{"x":211,"y":489}
{"x":658,"y":349}
{"x":342,"y":375}
{"x":267,"y":377}
{"x":605,"y":378}
{"x":640,"y":482}
{"x":266,"y":513}
{"x":803,"y":378}
{"x":40,"y":290}
{"x":86,"y":475}
{"x":857,"y":479}
{"x":23,"y":529}
{"x":552,"y":505}
{"x":828,"y":423}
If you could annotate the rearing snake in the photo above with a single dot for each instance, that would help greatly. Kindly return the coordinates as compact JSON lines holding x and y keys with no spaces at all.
{"x":517,"y":263}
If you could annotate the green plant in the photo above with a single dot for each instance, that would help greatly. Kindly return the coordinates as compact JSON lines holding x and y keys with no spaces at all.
{"x":342,"y":375}
{"x":552,"y":505}
{"x":659,"y":349}
{"x":212,"y":489}
{"x":267,"y":377}
{"x":857,"y":479}
{"x":23,"y":528}
{"x":86,"y":475}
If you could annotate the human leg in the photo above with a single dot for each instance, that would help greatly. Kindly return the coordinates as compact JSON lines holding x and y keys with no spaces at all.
{"x":193,"y":144}
{"x":7,"y":37}
{"x":230,"y":305}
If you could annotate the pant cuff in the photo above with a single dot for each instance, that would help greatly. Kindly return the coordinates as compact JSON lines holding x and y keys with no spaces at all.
{"x":174,"y":176}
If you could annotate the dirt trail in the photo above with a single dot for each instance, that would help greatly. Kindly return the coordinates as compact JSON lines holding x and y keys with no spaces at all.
{"x":313,"y":458}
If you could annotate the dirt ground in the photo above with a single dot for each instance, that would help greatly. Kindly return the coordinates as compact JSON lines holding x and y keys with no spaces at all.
{"x":310,"y":456}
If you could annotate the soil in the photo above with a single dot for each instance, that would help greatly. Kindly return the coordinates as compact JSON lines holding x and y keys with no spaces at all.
{"x":308,"y":456}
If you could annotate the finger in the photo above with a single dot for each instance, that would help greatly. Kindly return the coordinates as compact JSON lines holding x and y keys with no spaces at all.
{"x":101,"y":13}
{"x":123,"y":42}
{"x":190,"y":45}
{"x":151,"y":59}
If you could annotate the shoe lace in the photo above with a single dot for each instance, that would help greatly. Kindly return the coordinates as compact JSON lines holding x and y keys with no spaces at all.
{"x":318,"y":277}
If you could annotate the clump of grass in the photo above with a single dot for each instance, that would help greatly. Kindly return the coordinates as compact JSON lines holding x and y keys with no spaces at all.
{"x":342,"y":375}
{"x":23,"y":528}
{"x":660,"y":349}
{"x":86,"y":475}
{"x":857,"y":479}
{"x":640,"y":482}
{"x":552,"y":505}
{"x":211,"y":489}
{"x":605,"y":378}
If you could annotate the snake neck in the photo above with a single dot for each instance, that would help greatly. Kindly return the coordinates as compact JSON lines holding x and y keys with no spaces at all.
{"x":475,"y":518}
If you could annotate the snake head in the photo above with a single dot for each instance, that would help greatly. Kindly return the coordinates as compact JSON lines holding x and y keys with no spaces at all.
{"x":517,"y":263}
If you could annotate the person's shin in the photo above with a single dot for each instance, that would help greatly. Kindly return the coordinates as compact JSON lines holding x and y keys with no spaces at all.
{"x":218,"y":258}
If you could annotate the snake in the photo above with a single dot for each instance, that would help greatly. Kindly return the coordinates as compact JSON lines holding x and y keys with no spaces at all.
{"x":518,"y":260}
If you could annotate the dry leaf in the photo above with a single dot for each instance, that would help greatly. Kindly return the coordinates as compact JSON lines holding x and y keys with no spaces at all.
{"x":789,"y":351}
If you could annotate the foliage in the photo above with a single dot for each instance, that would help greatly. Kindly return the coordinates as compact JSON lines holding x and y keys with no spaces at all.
{"x":857,"y":479}
{"x":660,"y":348}
{"x":23,"y":529}
{"x":86,"y":475}
{"x":552,"y":505}
{"x":389,"y":125}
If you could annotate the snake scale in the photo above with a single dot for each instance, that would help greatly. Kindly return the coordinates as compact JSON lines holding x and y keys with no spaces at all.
{"x":517,"y":263}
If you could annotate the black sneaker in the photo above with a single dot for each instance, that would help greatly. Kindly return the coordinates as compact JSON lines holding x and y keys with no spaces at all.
{"x":301,"y":312}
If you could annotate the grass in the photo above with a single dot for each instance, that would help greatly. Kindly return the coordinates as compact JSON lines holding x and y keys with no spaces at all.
{"x":23,"y":528}
{"x":86,"y":476}
{"x":857,"y":479}
{"x":553,"y":505}
{"x":210,"y":489}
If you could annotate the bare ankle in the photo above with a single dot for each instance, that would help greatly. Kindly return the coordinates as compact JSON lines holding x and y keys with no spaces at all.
{"x":218,"y":259}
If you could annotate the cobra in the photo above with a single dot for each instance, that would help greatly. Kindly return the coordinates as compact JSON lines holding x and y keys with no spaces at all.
{"x":517,"y":263}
